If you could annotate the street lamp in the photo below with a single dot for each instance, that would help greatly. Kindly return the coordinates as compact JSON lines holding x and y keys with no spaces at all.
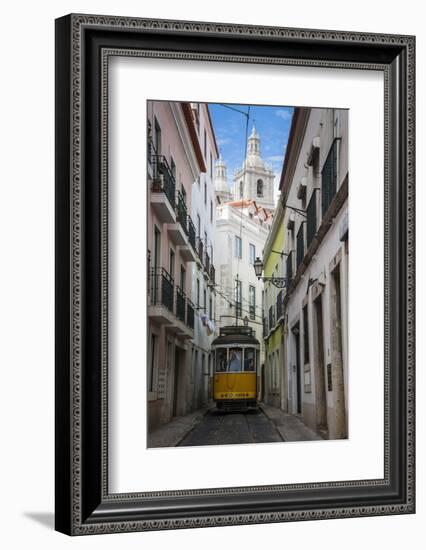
{"x":279,"y":282}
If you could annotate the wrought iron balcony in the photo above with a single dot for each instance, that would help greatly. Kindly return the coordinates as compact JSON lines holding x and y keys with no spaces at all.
{"x":191,"y":232}
{"x":181,"y":212}
{"x":190,"y":314}
{"x":180,"y":304}
{"x":207,"y":262}
{"x":200,"y":249}
{"x":162,"y":288}
{"x":163,"y":180}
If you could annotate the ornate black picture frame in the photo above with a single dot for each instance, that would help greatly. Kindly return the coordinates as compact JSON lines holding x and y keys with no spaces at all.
{"x":83,"y":45}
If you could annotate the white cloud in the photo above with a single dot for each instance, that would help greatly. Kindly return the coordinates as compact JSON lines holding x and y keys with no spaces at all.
{"x":283,"y":113}
{"x":275,"y":158}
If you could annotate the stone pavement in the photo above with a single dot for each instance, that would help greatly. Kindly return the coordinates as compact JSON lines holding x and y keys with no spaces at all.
{"x":290,"y":427}
{"x":172,"y":433}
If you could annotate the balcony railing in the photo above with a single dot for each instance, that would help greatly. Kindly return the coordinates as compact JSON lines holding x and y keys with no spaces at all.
{"x":191,"y":232}
{"x":190,"y":314}
{"x":181,"y":212}
{"x":163,"y":180}
{"x":207,"y":262}
{"x":280,"y":309}
{"x":200,"y":249}
{"x":180,"y":304}
{"x":162,"y":288}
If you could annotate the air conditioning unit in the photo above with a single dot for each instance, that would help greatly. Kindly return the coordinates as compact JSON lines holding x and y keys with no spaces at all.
{"x":301,"y":190}
{"x":314,"y":150}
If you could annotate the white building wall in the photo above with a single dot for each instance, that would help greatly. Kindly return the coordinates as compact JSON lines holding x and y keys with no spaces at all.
{"x":203,"y":209}
{"x":229,"y":225}
{"x":325,"y":124}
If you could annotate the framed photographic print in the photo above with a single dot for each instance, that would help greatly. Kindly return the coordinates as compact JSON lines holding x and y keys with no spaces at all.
{"x":225,"y":352}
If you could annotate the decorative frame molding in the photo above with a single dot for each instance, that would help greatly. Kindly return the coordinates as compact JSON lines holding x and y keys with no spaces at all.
{"x":84,"y":44}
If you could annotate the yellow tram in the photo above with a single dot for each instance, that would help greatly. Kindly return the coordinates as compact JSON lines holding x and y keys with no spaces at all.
{"x":236,"y":360}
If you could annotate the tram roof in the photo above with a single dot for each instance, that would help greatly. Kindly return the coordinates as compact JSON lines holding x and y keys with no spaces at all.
{"x":235,"y":335}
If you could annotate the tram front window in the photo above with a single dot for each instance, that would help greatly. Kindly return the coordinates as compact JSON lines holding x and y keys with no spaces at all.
{"x":249,"y":364}
{"x":235,"y":362}
{"x":221,"y":360}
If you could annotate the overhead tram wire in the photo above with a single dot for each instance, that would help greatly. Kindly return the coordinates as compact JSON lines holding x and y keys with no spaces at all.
{"x":241,"y":211}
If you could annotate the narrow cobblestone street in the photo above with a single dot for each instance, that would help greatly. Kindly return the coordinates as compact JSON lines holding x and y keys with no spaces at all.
{"x":212,"y":427}
{"x":217,"y":428}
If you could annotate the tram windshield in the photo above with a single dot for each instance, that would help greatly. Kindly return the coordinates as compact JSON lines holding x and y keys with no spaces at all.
{"x":221,"y":359}
{"x":249,"y":361}
{"x":235,"y":360}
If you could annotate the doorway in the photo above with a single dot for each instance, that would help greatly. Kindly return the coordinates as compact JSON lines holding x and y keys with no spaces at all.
{"x":296,"y":367}
{"x":176,"y":380}
{"x":320,"y":389}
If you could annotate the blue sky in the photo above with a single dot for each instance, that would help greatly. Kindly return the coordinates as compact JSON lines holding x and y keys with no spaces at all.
{"x":272,"y":124}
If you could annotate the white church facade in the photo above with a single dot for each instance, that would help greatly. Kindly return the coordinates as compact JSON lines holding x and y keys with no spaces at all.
{"x":254,"y":180}
{"x":244,"y":214}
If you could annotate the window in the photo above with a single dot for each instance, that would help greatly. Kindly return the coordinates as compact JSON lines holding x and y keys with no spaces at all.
{"x":205,"y":192}
{"x":329,"y":178}
{"x":198,"y":293}
{"x":210,"y":308}
{"x":238,"y":247}
{"x":198,"y":225}
{"x":183,"y":191}
{"x":252,"y":253}
{"x":211,"y":211}
{"x":205,"y":301}
{"x":259,"y":188}
{"x":241,"y":189}
{"x":205,"y":144}
{"x":252,"y":302}
{"x":305,"y":336}
{"x":238,"y":298}
{"x":211,"y":166}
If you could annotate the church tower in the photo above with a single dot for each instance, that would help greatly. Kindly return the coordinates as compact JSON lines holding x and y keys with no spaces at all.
{"x":254,"y":180}
{"x":221,"y":181}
